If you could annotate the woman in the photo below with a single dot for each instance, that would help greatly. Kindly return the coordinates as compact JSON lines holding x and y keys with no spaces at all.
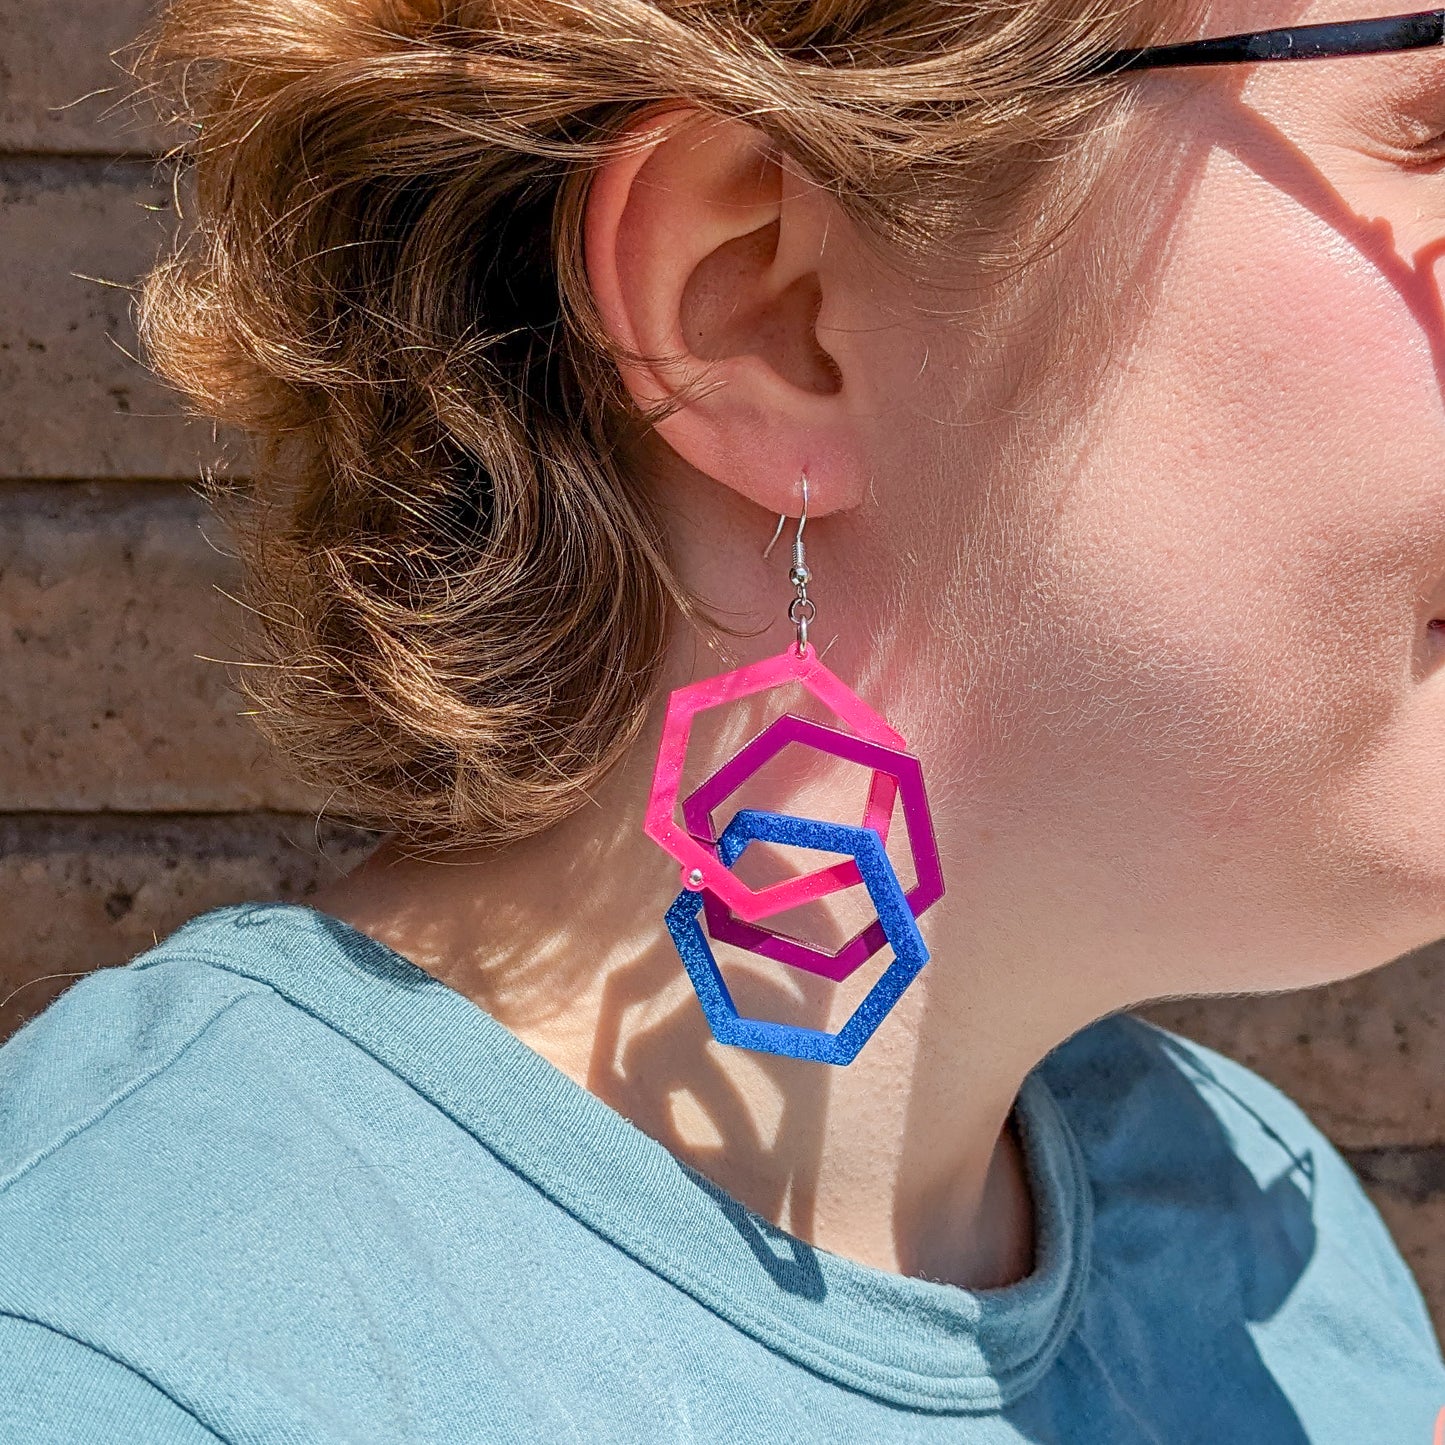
{"x":1101,"y":405}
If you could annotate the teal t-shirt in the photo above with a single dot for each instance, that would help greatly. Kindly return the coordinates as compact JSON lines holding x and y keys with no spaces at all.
{"x":271,"y":1184}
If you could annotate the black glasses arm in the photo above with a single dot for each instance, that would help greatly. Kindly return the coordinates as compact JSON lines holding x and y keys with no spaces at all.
{"x":1295,"y":42}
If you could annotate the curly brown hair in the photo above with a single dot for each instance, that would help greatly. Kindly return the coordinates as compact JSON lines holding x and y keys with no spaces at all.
{"x":459,"y":583}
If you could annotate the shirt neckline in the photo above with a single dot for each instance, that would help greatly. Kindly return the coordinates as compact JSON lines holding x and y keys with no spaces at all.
{"x":910,"y":1342}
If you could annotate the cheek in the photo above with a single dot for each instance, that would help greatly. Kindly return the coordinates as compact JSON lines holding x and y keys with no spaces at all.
{"x":1259,"y":518}
{"x":1235,"y":581}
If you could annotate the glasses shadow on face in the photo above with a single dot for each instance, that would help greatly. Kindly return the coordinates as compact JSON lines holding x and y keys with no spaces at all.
{"x":1259,"y":144}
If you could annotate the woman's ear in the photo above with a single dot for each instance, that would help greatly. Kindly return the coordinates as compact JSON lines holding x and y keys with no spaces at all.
{"x":727,"y":286}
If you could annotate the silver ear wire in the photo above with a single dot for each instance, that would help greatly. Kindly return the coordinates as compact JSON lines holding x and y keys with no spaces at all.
{"x":777,"y":532}
{"x":783,"y":517}
{"x":801,"y":610}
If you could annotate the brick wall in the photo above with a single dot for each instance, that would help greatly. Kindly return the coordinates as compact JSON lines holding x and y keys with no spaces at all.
{"x":131,"y":794}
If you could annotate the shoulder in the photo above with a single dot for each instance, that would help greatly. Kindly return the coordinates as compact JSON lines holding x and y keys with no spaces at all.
{"x":209,"y":1182}
{"x":134,"y":1112}
{"x":100,"y":1042}
{"x":1203,"y":1166}
{"x":150,"y":1063}
{"x":153,"y":1099}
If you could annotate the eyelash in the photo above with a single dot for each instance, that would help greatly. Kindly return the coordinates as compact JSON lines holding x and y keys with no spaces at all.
{"x":1428,"y":155}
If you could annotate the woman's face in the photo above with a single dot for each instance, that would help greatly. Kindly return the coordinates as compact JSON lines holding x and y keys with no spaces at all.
{"x":1196,"y":704}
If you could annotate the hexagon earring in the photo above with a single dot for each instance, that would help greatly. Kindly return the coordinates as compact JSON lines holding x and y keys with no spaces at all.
{"x":735,"y":911}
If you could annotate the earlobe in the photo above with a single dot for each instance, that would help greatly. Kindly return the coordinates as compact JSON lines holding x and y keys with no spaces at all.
{"x":708,"y":260}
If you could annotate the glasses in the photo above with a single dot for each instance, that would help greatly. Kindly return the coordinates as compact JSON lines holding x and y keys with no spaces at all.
{"x":1294,"y":42}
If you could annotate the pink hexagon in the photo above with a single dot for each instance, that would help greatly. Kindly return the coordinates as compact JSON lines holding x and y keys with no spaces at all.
{"x":699,"y":864}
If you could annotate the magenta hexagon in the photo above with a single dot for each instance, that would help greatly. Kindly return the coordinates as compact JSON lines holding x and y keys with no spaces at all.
{"x":899,"y":768}
{"x":699,"y":806}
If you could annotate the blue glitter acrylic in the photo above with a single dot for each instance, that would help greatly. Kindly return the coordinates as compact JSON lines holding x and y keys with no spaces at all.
{"x":899,"y":926}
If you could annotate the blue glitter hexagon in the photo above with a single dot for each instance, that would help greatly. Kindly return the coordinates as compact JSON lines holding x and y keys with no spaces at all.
{"x":900,"y":927}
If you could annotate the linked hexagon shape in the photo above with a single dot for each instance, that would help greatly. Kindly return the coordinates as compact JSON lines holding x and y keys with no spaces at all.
{"x":700,"y":805}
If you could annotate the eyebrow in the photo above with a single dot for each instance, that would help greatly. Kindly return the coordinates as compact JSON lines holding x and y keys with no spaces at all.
{"x":1388,"y":33}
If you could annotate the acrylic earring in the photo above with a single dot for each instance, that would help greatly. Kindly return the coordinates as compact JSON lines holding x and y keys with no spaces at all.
{"x":735,"y":911}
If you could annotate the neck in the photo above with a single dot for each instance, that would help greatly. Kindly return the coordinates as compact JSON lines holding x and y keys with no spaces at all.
{"x":906,"y":1160}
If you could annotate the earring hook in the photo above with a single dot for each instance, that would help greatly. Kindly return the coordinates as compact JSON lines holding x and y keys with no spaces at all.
{"x":802,"y":609}
{"x":783,"y":517}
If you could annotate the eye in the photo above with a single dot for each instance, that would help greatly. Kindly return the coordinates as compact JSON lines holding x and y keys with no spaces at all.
{"x":1426,"y":155}
{"x":1402,"y":120}
{"x":1418,"y":124}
